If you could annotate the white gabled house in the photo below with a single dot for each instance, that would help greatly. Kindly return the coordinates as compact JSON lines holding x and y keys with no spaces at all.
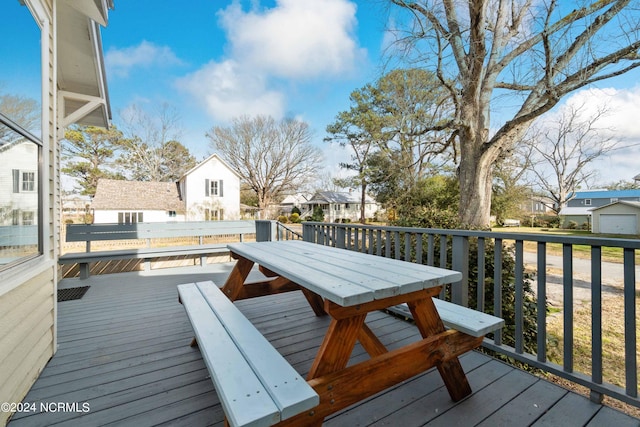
{"x":208,"y":192}
{"x":18,"y":183}
{"x":211,"y":191}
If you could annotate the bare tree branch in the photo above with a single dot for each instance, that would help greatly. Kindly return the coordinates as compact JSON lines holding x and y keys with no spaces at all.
{"x":272,"y":158}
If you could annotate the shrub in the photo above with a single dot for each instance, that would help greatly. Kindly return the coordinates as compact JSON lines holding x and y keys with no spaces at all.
{"x":296,"y":210}
{"x":433,"y":218}
{"x":295,"y":218}
{"x":318,"y":214}
{"x":283,"y":219}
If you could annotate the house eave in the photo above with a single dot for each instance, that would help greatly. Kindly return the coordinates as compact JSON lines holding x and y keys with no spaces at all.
{"x":81,"y":78}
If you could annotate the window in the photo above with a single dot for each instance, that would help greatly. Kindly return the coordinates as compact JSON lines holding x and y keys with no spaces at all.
{"x":214,"y":214}
{"x":171,"y":214}
{"x":28,"y":181}
{"x":129,"y":217}
{"x":587,"y":202}
{"x":21,"y":198}
{"x":213,"y":188}
{"x":27,"y":218}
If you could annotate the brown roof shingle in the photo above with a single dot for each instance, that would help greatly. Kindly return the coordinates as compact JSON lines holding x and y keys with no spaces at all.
{"x":137,"y":195}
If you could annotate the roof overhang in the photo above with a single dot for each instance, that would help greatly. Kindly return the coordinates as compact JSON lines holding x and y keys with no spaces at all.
{"x":81,"y":78}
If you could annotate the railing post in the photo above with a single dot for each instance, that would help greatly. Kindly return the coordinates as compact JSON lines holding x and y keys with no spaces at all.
{"x":460,"y":262}
{"x":265,"y":230}
{"x":307,"y":232}
{"x":341,"y":237}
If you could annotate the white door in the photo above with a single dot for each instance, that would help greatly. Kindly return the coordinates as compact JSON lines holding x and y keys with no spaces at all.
{"x":618,"y":224}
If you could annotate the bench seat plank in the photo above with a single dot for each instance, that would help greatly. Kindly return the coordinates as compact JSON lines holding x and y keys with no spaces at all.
{"x":80,"y":257}
{"x":256,"y":385}
{"x":471,"y":322}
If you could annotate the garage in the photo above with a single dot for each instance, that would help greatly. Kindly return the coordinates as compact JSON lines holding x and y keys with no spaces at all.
{"x":618,"y":224}
{"x":621,"y":217}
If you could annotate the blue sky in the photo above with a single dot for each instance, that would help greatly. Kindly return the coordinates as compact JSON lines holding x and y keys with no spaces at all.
{"x":212,"y":60}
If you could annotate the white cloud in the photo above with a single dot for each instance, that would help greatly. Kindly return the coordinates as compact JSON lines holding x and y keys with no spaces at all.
{"x":121,"y":61}
{"x":296,"y":38}
{"x":623,"y":109}
{"x":620,"y":123}
{"x":228,"y":90}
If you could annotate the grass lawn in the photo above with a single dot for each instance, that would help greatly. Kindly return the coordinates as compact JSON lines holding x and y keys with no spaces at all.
{"x":579,"y":251}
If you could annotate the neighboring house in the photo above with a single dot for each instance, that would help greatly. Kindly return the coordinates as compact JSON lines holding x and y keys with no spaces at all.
{"x":621,"y":217}
{"x":73,"y":90}
{"x":341,"y":206}
{"x":126,"y":202}
{"x":211,"y":191}
{"x":18,"y":183}
{"x":579,"y":207}
{"x":208,"y":192}
{"x":537,"y":205}
{"x":295,"y":200}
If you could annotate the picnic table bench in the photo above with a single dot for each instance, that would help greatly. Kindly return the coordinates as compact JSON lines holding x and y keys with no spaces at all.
{"x":99,"y":232}
{"x":345,"y":285}
{"x":255,"y":384}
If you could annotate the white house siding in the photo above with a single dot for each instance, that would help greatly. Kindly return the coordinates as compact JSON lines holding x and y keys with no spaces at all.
{"x":112,"y":217}
{"x":23,"y":158}
{"x":193,"y":190}
{"x":617,"y":218}
{"x":340,"y":211}
{"x":27,"y":291}
{"x":27,"y":316}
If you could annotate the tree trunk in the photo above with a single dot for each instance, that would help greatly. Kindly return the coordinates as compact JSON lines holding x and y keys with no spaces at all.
{"x":475,"y":176}
{"x":363,"y":199}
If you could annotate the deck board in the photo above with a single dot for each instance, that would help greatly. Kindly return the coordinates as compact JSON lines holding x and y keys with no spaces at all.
{"x":124,"y":349}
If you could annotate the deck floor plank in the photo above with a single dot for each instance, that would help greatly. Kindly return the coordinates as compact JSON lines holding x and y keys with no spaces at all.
{"x":124,"y":349}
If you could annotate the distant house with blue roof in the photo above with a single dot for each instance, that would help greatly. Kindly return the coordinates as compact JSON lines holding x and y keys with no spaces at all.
{"x":580,"y":205}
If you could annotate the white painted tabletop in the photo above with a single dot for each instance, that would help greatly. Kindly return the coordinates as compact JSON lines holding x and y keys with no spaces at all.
{"x":345,"y":277}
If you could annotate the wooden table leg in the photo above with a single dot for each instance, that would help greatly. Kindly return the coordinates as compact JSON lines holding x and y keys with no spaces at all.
{"x":429,"y":323}
{"x":315,"y":301}
{"x":335,"y":351}
{"x":233,"y":286}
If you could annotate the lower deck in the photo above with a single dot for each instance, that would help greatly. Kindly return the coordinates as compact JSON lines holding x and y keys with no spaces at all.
{"x":124,"y":358}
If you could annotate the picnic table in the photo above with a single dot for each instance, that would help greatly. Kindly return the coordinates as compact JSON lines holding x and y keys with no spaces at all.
{"x":347,"y":285}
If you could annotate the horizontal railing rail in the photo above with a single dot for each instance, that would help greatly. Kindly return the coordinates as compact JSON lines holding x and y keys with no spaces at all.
{"x":154,"y":230}
{"x":456,"y":248}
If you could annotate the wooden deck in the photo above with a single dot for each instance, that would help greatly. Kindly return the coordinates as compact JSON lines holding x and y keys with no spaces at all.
{"x":124,"y":358}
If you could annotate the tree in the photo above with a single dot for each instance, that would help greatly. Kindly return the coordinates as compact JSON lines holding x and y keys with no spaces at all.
{"x":530,"y":53}
{"x":88,"y":155}
{"x":152,"y":151}
{"x":560,"y":151}
{"x":624,"y":185}
{"x":272,"y":157}
{"x":510,"y":191}
{"x":23,"y":111}
{"x":398,"y":118}
{"x":360,"y":129}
